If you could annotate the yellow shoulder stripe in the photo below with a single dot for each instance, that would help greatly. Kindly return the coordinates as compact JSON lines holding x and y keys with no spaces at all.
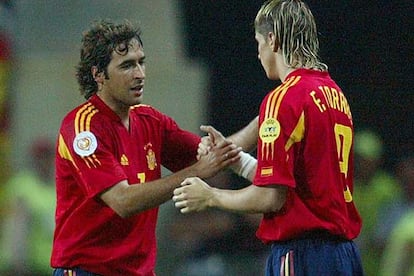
{"x":272,"y":110}
{"x":83,"y":118}
{"x":64,"y":151}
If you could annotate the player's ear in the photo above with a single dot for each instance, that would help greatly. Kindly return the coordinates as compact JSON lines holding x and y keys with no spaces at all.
{"x":273,"y":43}
{"x":97,"y":76}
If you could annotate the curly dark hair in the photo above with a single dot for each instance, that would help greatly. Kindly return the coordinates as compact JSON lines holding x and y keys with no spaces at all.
{"x":98,"y":43}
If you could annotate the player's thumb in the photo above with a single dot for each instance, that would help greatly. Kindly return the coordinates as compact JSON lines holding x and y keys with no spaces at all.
{"x":214,"y":134}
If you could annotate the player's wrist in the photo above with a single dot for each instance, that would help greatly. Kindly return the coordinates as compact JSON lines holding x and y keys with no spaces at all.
{"x":213,"y":200}
{"x":245,"y":165}
{"x":200,"y":170}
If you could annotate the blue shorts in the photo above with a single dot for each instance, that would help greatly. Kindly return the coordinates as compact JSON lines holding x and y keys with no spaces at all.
{"x":72,"y":272}
{"x":310,"y":256}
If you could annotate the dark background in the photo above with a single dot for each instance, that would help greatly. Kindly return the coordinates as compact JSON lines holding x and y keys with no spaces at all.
{"x":366,"y":44}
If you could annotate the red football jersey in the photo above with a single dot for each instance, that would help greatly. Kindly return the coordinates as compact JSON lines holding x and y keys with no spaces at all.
{"x":306,"y":143}
{"x":94,"y":152}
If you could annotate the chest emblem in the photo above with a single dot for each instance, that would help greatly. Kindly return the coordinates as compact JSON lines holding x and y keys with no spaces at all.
{"x":151,"y":159}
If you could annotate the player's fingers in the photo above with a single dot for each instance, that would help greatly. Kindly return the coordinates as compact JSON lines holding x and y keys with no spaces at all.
{"x":213,"y":133}
{"x":230,"y":151}
{"x":212,"y":138}
{"x":206,"y":140}
{"x":177,"y":198}
{"x":225,"y":143}
{"x":208,"y":130}
{"x":185,"y":210}
{"x":181,"y":204}
{"x":188,"y":181}
{"x":200,"y":152}
{"x":231,"y":156}
{"x":178,"y":191}
{"x":203,"y":147}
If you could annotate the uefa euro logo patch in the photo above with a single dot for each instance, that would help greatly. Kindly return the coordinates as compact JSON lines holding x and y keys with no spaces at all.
{"x":269,"y":130}
{"x":85,"y":143}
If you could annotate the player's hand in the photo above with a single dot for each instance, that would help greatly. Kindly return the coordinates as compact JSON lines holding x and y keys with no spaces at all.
{"x":209,"y":141}
{"x":217,"y":158}
{"x":215,"y":152}
{"x":214,"y":134}
{"x":194,"y":195}
{"x":204,"y":146}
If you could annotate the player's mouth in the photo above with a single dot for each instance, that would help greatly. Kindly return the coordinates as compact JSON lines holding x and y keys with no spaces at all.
{"x":138,"y":90}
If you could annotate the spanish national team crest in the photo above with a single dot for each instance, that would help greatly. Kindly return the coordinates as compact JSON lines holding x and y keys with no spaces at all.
{"x":151,"y":159}
{"x":269,"y":130}
{"x":85,"y":143}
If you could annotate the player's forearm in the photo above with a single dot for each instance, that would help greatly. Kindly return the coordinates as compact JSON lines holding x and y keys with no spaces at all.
{"x":127,"y":200}
{"x":156,"y":192}
{"x":251,"y":199}
{"x":247,"y":136}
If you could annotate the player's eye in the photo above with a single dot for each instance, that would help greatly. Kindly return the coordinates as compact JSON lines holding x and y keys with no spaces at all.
{"x":127,"y":65}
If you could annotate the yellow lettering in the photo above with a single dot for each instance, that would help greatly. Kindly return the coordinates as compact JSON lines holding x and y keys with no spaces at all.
{"x":327,"y":95}
{"x":340,"y":97}
{"x":141,"y":177}
{"x":347,"y":110}
{"x":335,"y":99}
{"x":317,"y":102}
